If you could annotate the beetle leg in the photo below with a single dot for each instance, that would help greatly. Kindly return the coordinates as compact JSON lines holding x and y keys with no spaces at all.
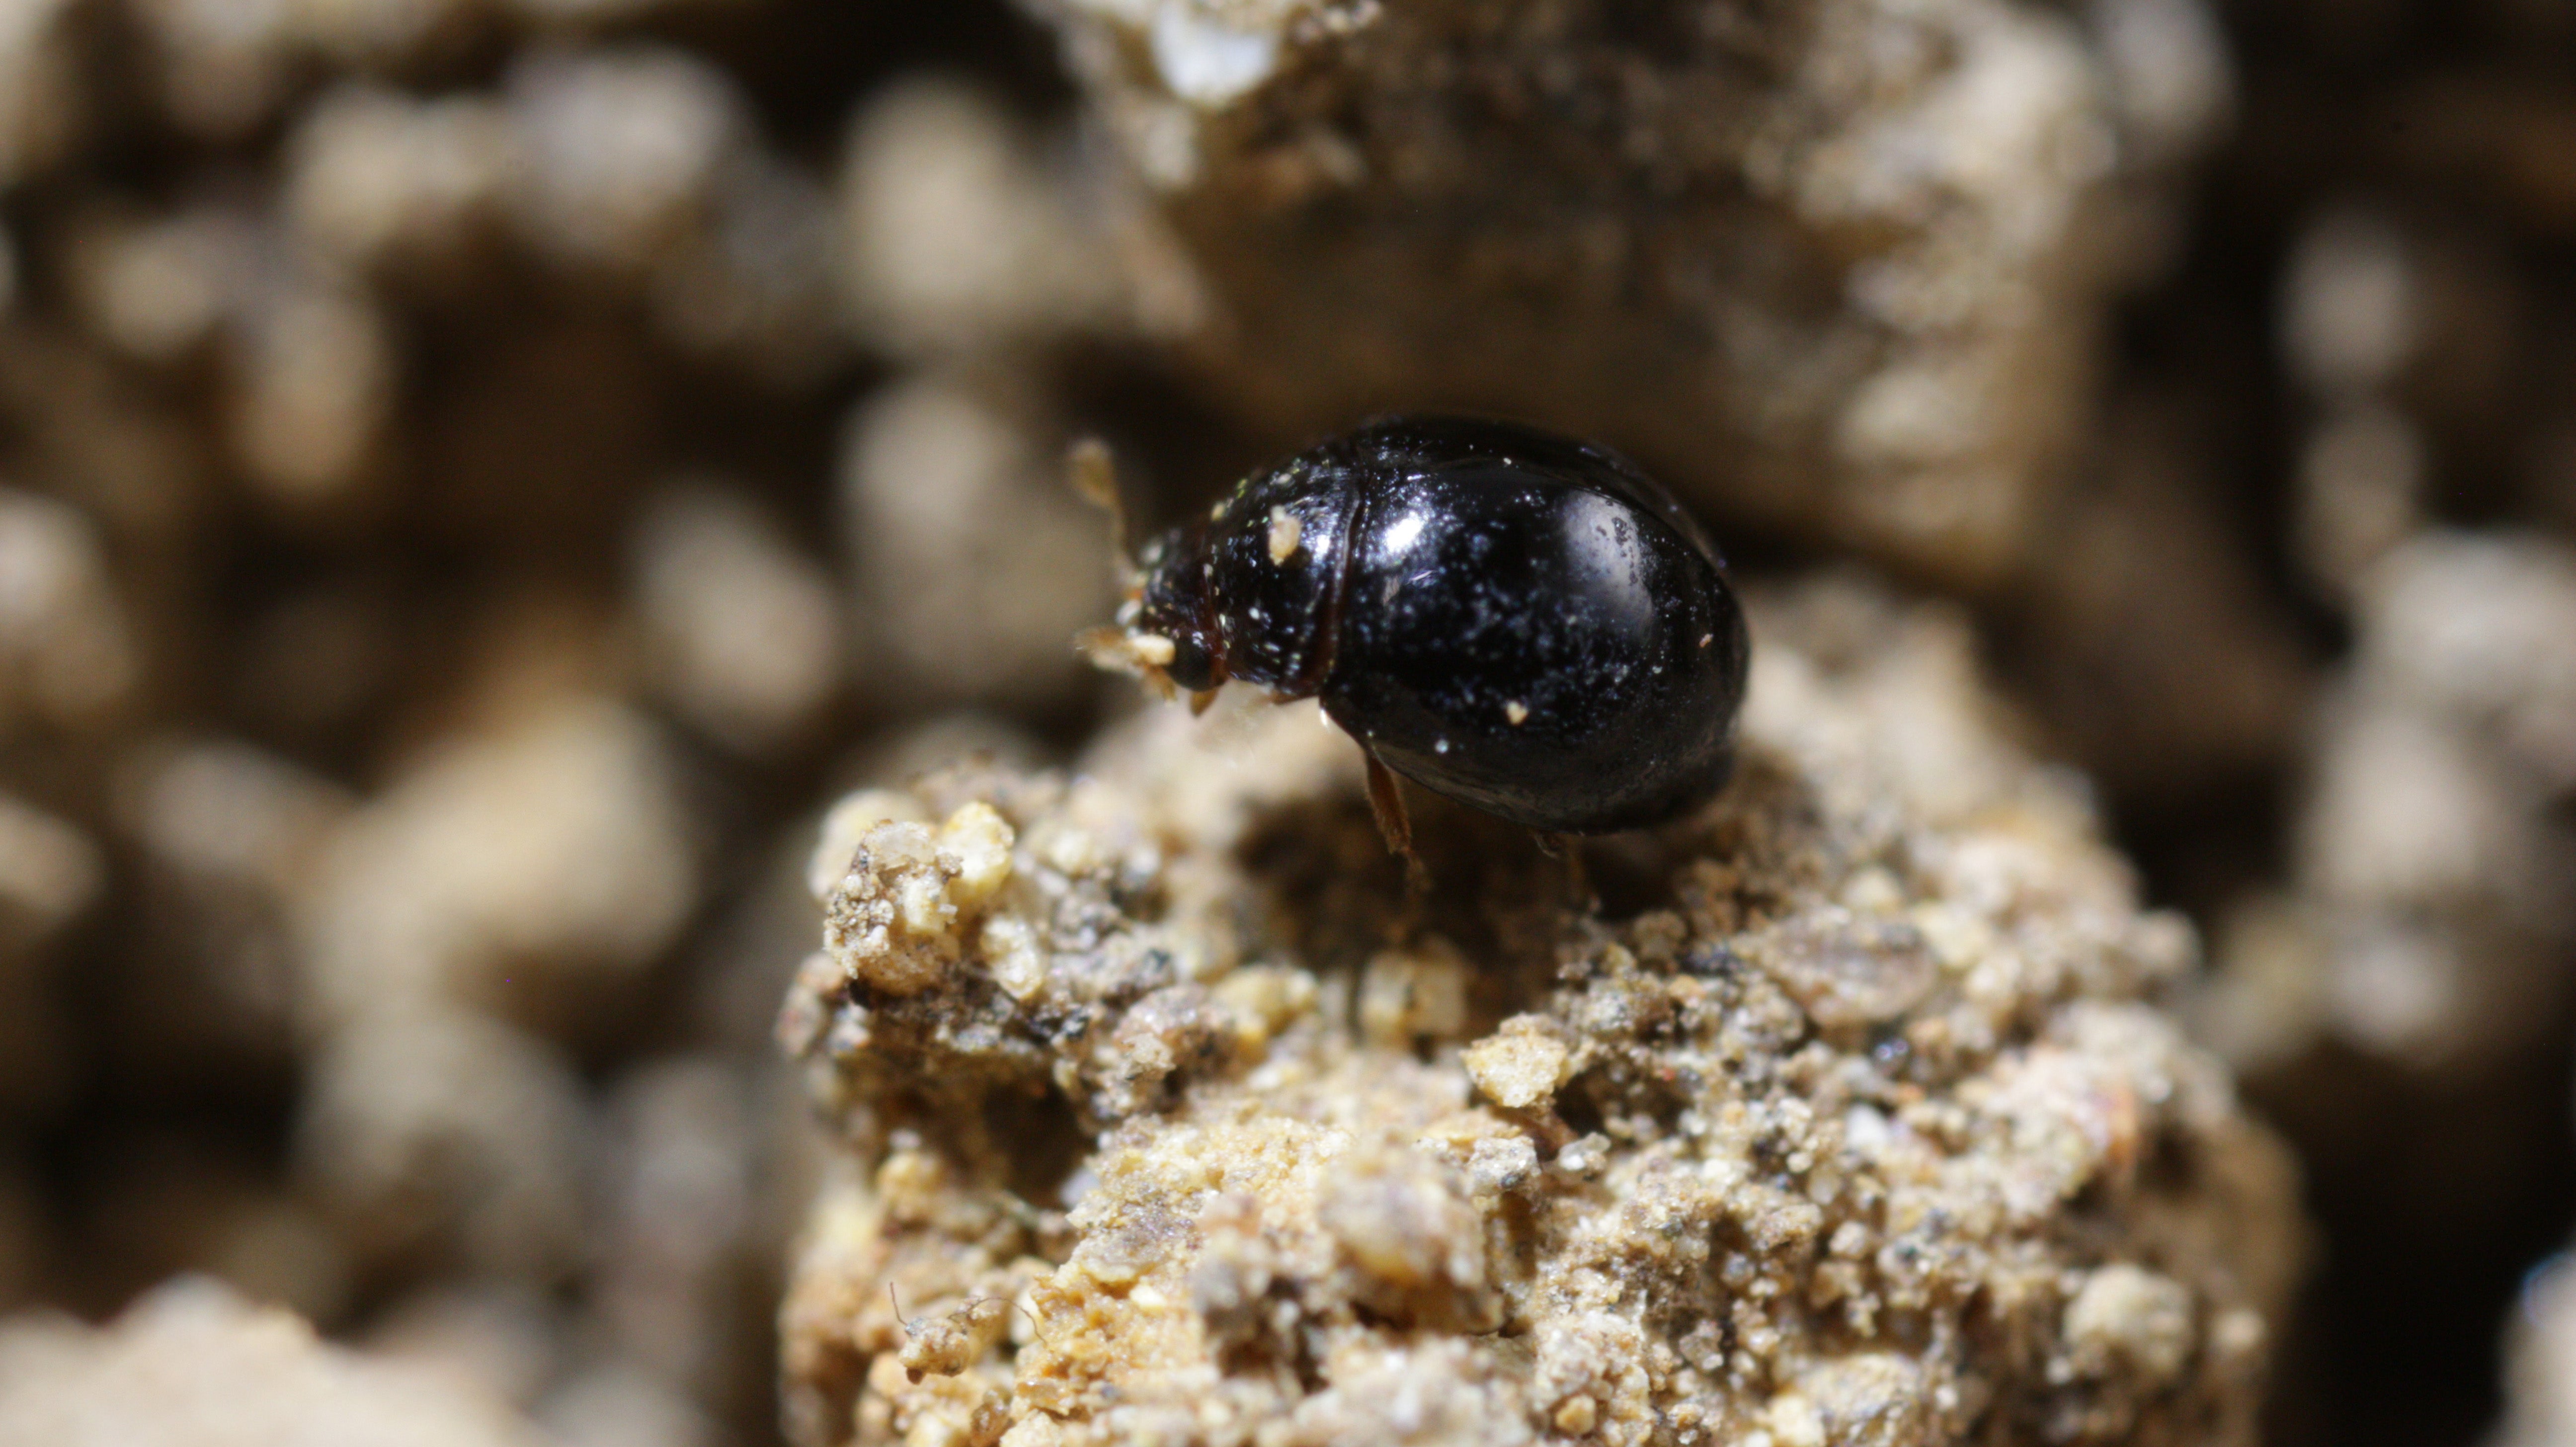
{"x":1577,"y":878}
{"x":1386,"y":802}
{"x":1201,"y":701}
{"x":1568,"y":850}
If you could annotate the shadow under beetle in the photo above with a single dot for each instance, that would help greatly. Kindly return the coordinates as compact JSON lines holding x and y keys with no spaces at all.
{"x":1521,"y":622}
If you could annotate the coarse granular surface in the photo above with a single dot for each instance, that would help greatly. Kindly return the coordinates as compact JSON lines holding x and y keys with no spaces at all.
{"x":1840,"y":1114}
{"x":477,"y":477}
{"x":1834,"y":265}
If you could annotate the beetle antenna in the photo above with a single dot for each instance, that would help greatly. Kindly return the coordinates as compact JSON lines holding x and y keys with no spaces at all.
{"x":1095,"y":477}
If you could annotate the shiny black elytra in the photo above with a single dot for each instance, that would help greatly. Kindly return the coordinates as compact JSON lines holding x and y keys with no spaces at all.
{"x":1521,"y":622}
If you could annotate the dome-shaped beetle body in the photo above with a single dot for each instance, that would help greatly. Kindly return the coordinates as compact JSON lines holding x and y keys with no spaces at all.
{"x":1526,"y":624}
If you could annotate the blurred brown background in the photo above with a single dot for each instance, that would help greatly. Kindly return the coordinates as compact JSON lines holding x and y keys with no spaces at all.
{"x":476,"y":476}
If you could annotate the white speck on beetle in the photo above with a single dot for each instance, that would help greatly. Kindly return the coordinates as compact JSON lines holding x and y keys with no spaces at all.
{"x":1439,"y":746}
{"x":1516,"y":712}
{"x":1285,"y":531}
{"x":1706,"y":639}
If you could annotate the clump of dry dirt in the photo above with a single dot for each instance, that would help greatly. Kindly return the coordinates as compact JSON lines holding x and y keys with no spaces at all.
{"x":1840,"y":1114}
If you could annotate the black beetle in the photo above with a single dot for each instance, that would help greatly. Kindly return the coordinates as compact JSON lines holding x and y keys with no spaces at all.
{"x":1521,"y":622}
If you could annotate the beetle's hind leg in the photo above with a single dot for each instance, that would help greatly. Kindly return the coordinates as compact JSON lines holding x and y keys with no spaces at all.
{"x":1386,"y":802}
{"x":1568,"y":849}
